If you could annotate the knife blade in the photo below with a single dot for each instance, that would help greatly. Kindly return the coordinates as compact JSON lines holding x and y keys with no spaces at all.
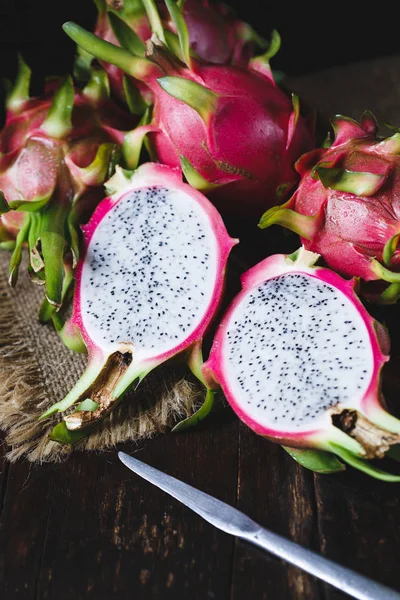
{"x":234,"y":522}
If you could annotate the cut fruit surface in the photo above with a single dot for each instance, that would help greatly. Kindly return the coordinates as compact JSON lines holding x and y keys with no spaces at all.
{"x":299,"y":360}
{"x":147,"y":287}
{"x":296,"y":351}
{"x":164,"y":287}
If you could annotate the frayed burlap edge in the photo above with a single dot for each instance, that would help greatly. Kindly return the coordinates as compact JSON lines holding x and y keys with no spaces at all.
{"x":163,"y":398}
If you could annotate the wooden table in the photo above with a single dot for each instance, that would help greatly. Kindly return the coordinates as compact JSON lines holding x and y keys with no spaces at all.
{"x":89,"y":528}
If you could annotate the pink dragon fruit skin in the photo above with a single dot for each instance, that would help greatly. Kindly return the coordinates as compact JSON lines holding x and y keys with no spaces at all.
{"x":215,"y":35}
{"x":122,"y":321}
{"x":255,"y":333}
{"x":247,"y":149}
{"x":235,"y":135}
{"x":208,"y":32}
{"x":346,"y":206}
{"x":55,"y":154}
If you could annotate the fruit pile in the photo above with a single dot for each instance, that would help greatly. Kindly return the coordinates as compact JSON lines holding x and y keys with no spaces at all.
{"x":173,"y":113}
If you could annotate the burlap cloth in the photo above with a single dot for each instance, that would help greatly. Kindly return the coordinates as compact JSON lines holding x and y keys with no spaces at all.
{"x":37,"y":370}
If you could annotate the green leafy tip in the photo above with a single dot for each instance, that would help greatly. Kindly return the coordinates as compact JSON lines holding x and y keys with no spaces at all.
{"x":63,"y":435}
{"x":318,"y":461}
{"x":155,"y":20}
{"x":382,"y":272}
{"x":194,"y":178}
{"x":353,"y":182}
{"x":195,"y":95}
{"x":199,"y":415}
{"x":19,"y":93}
{"x":58,"y":122}
{"x":390,"y":248}
{"x":182,"y":30}
{"x":125,"y":35}
{"x":133,"y":97}
{"x":98,"y":86}
{"x":272,"y":50}
{"x":304,"y":225}
{"x":102,"y":50}
{"x":364,"y":465}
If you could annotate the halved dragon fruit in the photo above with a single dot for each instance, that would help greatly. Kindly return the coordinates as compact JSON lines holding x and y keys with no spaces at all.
{"x":232,"y":131}
{"x":299,"y":360}
{"x":147,"y":287}
{"x":215,"y":34}
{"x":346,"y":206}
{"x":55,"y":153}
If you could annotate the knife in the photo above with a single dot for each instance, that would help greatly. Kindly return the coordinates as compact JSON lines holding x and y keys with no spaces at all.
{"x":236,"y":523}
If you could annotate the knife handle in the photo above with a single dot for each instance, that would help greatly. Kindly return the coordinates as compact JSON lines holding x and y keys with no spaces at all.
{"x":340,"y":577}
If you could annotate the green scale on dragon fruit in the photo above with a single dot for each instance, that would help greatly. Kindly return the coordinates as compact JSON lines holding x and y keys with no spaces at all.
{"x":232,"y":131}
{"x":147,"y":287}
{"x":299,"y":359}
{"x":215,"y":35}
{"x":346,"y":206}
{"x":56,"y":151}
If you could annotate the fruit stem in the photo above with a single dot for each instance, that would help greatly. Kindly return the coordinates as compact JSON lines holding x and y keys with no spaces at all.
{"x":375,"y":441}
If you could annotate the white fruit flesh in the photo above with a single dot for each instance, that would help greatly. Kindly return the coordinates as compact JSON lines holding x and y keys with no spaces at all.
{"x":149,"y":273}
{"x":294,"y":347}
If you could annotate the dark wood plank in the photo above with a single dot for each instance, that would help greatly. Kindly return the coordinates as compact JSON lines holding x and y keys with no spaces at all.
{"x":359,"y":526}
{"x":112,"y":535}
{"x":278,"y":494}
{"x":4,"y":471}
{"x":23,"y":526}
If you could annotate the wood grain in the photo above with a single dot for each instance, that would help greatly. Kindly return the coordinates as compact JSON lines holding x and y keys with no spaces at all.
{"x":91,"y":529}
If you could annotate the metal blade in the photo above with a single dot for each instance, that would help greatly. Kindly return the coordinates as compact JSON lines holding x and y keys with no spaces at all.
{"x":233,"y":521}
{"x":214,"y":511}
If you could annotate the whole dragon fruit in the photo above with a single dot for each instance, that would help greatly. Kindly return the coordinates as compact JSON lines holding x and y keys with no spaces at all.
{"x":299,"y":360}
{"x":215,"y":34}
{"x":347,"y":205}
{"x":147,"y":287}
{"x":234,"y":133}
{"x":55,"y":153}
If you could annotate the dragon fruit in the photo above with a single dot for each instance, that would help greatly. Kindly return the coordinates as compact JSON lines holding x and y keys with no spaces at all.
{"x":299,"y":360}
{"x":55,"y":153}
{"x":147,"y":287}
{"x":234,"y":134}
{"x":347,"y":207}
{"x":215,"y":34}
